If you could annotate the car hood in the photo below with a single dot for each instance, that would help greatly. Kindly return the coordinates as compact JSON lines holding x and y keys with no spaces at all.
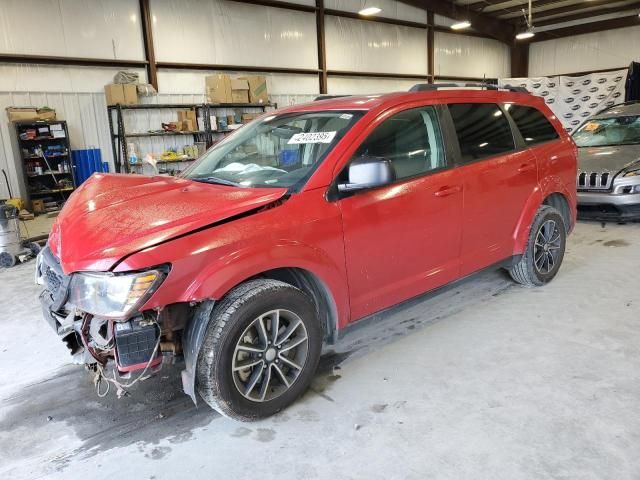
{"x":611,"y":159}
{"x":111,"y":216}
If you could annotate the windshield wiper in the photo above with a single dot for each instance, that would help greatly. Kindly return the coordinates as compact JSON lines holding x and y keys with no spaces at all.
{"x":216,"y":180}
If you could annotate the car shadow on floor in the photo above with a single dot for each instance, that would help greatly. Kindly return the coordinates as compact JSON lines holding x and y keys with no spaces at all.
{"x":157,"y":409}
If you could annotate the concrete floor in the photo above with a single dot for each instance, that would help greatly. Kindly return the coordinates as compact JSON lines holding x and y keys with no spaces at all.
{"x":485,"y":381}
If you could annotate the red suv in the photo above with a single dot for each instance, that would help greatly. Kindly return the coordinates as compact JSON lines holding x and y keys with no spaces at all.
{"x":298,"y":225}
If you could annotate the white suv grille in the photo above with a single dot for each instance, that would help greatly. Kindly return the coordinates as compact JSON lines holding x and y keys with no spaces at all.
{"x":594,"y":180}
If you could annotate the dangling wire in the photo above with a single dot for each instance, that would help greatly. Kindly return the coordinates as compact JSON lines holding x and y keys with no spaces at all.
{"x":101,"y":375}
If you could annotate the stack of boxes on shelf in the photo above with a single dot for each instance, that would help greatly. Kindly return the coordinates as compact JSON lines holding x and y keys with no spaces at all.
{"x":221,"y":88}
{"x":121,"y":93}
{"x":186,"y":121}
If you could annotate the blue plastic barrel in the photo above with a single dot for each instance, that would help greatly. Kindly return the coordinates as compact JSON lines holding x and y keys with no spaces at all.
{"x":86,"y":162}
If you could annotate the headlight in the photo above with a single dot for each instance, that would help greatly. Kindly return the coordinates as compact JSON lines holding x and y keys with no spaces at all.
{"x":632,"y":173}
{"x":110,"y":295}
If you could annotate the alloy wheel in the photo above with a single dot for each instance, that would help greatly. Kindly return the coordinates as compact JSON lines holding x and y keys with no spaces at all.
{"x":270,"y":355}
{"x":547,"y":247}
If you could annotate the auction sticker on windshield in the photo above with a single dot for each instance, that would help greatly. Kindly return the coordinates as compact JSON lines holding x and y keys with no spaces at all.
{"x":312,"y":137}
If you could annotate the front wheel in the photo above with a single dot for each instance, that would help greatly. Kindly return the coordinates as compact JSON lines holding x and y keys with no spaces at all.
{"x":545,"y":249}
{"x":260,"y":351}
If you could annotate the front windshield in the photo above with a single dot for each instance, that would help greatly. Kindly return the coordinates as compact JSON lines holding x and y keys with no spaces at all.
{"x":603,"y":132}
{"x":274,"y":151}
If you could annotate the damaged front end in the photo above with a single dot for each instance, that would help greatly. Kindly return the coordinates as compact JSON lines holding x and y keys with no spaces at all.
{"x":133,"y":341}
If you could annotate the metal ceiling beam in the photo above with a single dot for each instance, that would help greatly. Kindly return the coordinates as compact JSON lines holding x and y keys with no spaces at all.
{"x":575,"y":8}
{"x":632,"y":8}
{"x":482,"y":23}
{"x":587,"y":28}
{"x":76,"y":61}
{"x":480,"y":6}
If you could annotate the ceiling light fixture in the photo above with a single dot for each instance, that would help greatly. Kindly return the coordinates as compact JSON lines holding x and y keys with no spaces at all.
{"x":528,"y":33}
{"x":368,"y":11}
{"x":461,"y":25}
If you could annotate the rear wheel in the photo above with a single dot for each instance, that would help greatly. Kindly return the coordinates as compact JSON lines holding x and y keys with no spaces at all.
{"x":545,"y":249}
{"x":260,"y":351}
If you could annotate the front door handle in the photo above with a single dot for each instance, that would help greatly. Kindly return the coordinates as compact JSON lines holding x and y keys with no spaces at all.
{"x":526,"y":167}
{"x":446,"y":191}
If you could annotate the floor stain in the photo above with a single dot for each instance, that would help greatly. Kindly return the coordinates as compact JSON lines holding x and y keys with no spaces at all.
{"x":158,"y":452}
{"x":241,"y":432}
{"x":379,"y":407}
{"x":265,"y":435}
{"x":616,"y":243}
{"x":68,"y":398}
{"x":308,"y":416}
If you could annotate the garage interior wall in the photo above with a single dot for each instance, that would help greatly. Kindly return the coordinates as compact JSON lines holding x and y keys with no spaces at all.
{"x":584,"y":53}
{"x":218,"y":32}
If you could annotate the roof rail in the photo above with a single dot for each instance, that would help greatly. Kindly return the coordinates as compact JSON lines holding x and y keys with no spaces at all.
{"x":328,"y":97}
{"x":429,"y":87}
{"x":629,"y":102}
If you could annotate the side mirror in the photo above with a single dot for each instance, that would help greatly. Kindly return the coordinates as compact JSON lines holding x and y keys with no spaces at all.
{"x":368,"y":172}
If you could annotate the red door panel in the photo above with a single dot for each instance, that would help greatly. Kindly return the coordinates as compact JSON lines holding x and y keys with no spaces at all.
{"x":401,"y":240}
{"x":495,"y":192}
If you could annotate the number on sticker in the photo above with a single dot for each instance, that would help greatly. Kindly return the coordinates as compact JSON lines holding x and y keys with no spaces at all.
{"x":311,"y":137}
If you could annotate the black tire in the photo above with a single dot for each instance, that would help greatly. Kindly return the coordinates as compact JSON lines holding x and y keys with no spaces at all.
{"x":236,"y":312}
{"x":525,"y":271}
{"x":7,"y":260}
{"x":34,"y":248}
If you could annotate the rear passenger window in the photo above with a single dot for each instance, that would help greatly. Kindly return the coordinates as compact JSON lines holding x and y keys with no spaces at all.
{"x":532,"y":123}
{"x":483,"y":130}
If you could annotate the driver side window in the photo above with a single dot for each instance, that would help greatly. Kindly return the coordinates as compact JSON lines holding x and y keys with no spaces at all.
{"x":410,"y":140}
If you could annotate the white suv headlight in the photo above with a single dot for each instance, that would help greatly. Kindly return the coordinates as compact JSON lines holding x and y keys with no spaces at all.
{"x":113,"y":295}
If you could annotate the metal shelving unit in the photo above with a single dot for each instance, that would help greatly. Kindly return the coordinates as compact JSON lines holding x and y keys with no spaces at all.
{"x":204,"y":134}
{"x":49,"y":176}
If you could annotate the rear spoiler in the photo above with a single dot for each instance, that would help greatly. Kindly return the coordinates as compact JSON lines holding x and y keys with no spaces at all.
{"x":430,"y":87}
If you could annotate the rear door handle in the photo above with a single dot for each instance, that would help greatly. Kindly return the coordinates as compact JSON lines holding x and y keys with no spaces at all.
{"x":527,"y":167}
{"x":446,"y":191}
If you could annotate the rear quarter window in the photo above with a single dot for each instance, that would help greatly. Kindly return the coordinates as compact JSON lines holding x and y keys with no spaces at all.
{"x":532,"y":123}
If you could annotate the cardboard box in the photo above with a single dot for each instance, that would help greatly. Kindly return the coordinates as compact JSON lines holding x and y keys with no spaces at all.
{"x":257,"y":88}
{"x":46,"y":114}
{"x":114,"y":94}
{"x":123,"y":94}
{"x":187,"y":115}
{"x":188,"y":125}
{"x":130,"y":93}
{"x":247,"y":117}
{"x":239,"y":91}
{"x":16,"y":114}
{"x":37,"y":206}
{"x":218,"y":88}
